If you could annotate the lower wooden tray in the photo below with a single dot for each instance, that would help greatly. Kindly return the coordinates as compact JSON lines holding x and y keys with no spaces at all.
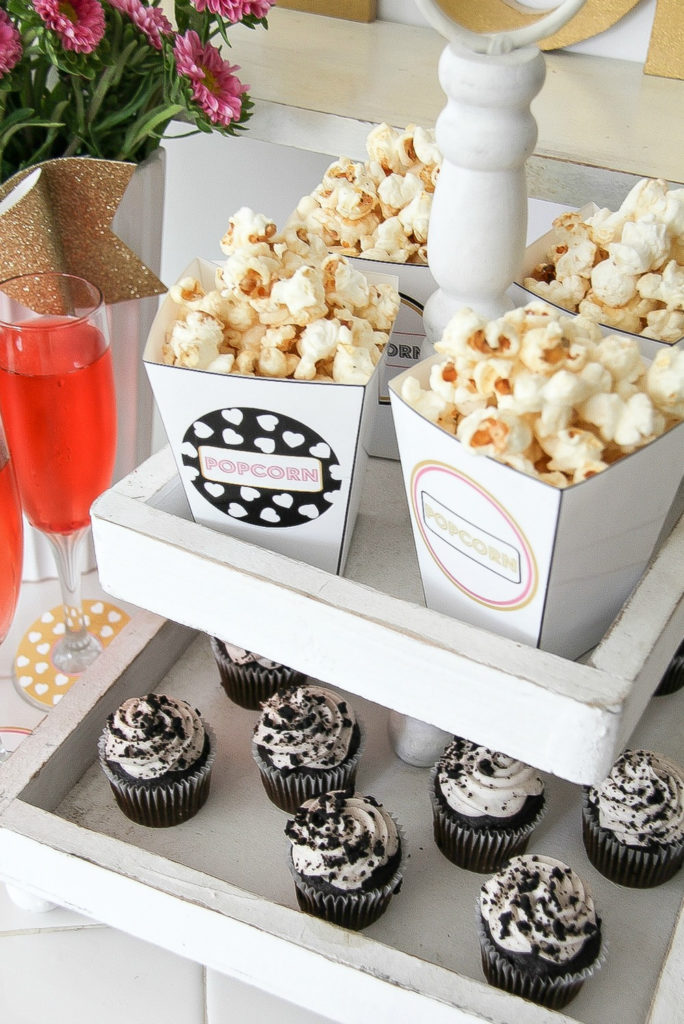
{"x":217,"y":889}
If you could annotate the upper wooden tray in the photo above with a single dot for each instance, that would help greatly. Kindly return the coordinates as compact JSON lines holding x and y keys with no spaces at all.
{"x":370,"y":633}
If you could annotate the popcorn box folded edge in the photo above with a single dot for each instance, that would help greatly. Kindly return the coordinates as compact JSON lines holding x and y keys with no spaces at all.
{"x":278,"y":463}
{"x":499,"y":549}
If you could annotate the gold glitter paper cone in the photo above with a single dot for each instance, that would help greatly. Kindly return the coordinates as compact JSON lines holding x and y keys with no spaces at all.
{"x":57,"y":216}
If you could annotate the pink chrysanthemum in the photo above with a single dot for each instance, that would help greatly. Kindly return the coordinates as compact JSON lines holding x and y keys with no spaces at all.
{"x":10,"y":45}
{"x":235,"y":10}
{"x":215,"y":88}
{"x":80,"y":24}
{"x":150,"y":20}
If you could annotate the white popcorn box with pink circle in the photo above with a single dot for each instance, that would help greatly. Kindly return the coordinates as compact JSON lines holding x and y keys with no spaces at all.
{"x":547,"y":566}
{"x":276,"y":462}
{"x":406,"y":347}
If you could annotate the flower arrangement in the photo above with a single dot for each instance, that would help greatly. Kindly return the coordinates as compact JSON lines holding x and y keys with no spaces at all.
{"x":105,"y":78}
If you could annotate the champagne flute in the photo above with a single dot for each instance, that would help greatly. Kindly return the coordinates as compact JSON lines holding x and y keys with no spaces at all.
{"x":11,"y":547}
{"x":58,"y":405}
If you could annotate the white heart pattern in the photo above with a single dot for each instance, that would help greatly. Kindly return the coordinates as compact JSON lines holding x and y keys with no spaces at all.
{"x":25,"y":681}
{"x":310,"y":511}
{"x":320,"y":450}
{"x":47,"y":617}
{"x":41,"y":688}
{"x":56,"y":697}
{"x":189,"y":450}
{"x":234,"y":416}
{"x":291,"y":439}
{"x":59,"y":629}
{"x":106,"y":631}
{"x":202,"y":430}
{"x":236,"y":511}
{"x":231,"y":437}
{"x":97,"y":608}
{"x":284,"y":500}
{"x":34,"y":636}
{"x":265,"y":445}
{"x":41,"y":667}
{"x":216,"y":490}
{"x":249,"y":493}
{"x":61,"y":679}
{"x":21,"y":661}
{"x":267,"y":422}
{"x":43,"y":648}
{"x":336,"y":472}
{"x":270,"y":515}
{"x":114,"y":616}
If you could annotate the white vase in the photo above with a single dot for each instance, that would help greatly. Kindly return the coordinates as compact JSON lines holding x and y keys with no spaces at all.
{"x":138,"y":223}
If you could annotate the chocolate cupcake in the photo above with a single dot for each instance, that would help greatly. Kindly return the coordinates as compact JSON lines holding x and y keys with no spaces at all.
{"x":484,"y":805}
{"x":157,"y":755}
{"x":673,"y":676}
{"x":633,"y":822}
{"x":307,"y":740}
{"x":540,"y":937}
{"x":345,"y":858}
{"x":248,"y":678}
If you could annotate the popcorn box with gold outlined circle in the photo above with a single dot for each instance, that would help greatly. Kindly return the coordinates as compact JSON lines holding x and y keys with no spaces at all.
{"x":497,"y":548}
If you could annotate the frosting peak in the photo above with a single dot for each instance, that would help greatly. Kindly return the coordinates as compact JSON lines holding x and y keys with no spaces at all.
{"x":306,"y":726}
{"x":476,"y":781}
{"x":152,"y":735}
{"x":641,"y":801}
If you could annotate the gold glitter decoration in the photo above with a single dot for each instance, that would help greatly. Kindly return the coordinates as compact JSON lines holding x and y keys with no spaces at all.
{"x":666,"y":49}
{"x":57,"y":216}
{"x":503,"y":15}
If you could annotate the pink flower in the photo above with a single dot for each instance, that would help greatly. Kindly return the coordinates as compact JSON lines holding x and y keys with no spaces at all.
{"x":235,"y":10}
{"x":215,"y":89}
{"x":150,"y":20}
{"x":10,"y":45}
{"x":80,"y":24}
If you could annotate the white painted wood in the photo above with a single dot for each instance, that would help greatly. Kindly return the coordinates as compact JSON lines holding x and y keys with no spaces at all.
{"x":217,"y":889}
{"x":371,"y":634}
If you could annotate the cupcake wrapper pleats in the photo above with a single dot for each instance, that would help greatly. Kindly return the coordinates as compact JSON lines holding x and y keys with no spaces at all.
{"x":249,"y":685}
{"x":288,"y":791}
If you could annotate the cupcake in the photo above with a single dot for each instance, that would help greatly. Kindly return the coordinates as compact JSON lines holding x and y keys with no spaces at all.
{"x":157,"y":754}
{"x":248,"y":678}
{"x":307,"y":740}
{"x":484,"y":805}
{"x":345,"y":858}
{"x":673,"y":677}
{"x":540,"y":937}
{"x":633,"y":822}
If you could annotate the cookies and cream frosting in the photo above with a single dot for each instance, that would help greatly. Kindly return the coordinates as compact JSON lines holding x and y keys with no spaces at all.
{"x":305,"y":726}
{"x":240,"y":656}
{"x":538,"y":905}
{"x":641,"y":801}
{"x":342,"y":838}
{"x":152,"y":735}
{"x":476,"y":781}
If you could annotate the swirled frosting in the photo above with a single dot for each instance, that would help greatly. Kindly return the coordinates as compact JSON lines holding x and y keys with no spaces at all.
{"x":342,"y":839}
{"x":305,"y":726}
{"x":539,"y":905}
{"x":641,"y":801}
{"x":476,"y":781}
{"x":152,"y":735}
{"x":240,"y":656}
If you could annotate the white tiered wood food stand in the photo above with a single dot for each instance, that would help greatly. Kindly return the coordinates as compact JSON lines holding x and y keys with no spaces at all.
{"x":217,"y":889}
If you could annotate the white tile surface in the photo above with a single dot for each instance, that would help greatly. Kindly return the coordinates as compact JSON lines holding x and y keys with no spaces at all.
{"x":230,"y":1001}
{"x":96,"y":974}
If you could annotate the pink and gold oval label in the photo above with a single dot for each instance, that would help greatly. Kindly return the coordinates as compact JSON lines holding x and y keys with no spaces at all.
{"x":472,"y":538}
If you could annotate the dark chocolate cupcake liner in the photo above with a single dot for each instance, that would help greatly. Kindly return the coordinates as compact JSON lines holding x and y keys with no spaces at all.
{"x":289,"y":790}
{"x":635,"y":867}
{"x":482,"y":850}
{"x":250,"y":684}
{"x":164,"y":804}
{"x":673,"y":677}
{"x":554,"y":992}
{"x":352,"y":910}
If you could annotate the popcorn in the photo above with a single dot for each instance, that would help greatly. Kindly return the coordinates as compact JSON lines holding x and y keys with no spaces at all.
{"x":380,"y":208}
{"x":546,"y":393}
{"x":621,"y":268}
{"x":283,"y":306}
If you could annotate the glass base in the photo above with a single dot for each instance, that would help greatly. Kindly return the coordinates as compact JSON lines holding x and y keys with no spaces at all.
{"x":36,"y":676}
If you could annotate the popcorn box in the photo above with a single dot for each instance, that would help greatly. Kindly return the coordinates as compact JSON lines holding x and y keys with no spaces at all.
{"x":404,"y":349}
{"x":537,"y":252}
{"x":546,"y":566}
{"x":279,"y":463}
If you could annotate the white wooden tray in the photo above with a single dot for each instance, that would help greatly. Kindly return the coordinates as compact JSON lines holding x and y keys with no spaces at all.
{"x":370,"y":633}
{"x":217,"y":888}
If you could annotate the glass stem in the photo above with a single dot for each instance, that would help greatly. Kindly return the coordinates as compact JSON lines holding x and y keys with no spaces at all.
{"x":77,"y":648}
